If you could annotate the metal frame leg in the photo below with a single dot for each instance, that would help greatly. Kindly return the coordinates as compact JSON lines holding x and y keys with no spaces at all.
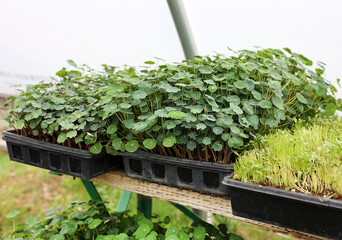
{"x":145,"y":205}
{"x":123,"y":201}
{"x":91,"y":189}
{"x":187,"y":212}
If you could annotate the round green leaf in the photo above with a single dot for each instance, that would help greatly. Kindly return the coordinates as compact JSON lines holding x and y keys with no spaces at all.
{"x":200,"y":126}
{"x":205,"y":69}
{"x":279,"y":115}
{"x":233,"y":99}
{"x":111,"y":151}
{"x":125,"y":105}
{"x":69,"y":228}
{"x":265,"y":104}
{"x":217,"y":146}
{"x":13,"y":213}
{"x":20,"y":124}
{"x":212,"y":88}
{"x":256,"y":95}
{"x":225,"y":136}
{"x":249,"y":84}
{"x":57,"y":237}
{"x":61,"y":138}
{"x":235,"y":142}
{"x":235,"y":108}
{"x":176,"y":114}
{"x":206,"y":141}
{"x":140,"y":126}
{"x":169,"y":124}
{"x":96,"y":148}
{"x":196,"y":109}
{"x":112,"y":129}
{"x":217,"y":130}
{"x":254,"y":120}
{"x":169,"y":141}
{"x":196,"y":95}
{"x":132,"y":146}
{"x":278,"y":102}
{"x":149,"y":143}
{"x":95,"y":223}
{"x":142,"y":231}
{"x":224,"y":122}
{"x":330,"y":109}
{"x":172,"y":237}
{"x":139,"y":94}
{"x":235,"y":129}
{"x":171,"y":231}
{"x":71,"y":134}
{"x":301,"y":98}
{"x":191,"y":145}
{"x":247,"y":108}
{"x":199,"y":233}
{"x":117,"y":143}
{"x":274,"y":84}
{"x":272,"y":122}
{"x":239,"y":84}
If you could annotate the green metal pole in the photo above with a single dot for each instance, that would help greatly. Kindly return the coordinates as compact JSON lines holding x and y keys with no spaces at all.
{"x":183,"y":27}
{"x":91,"y":190}
{"x":187,"y":212}
{"x":145,"y":205}
{"x":123,"y":201}
{"x":188,"y":43}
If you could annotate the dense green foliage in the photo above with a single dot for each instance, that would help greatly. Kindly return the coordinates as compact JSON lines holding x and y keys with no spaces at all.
{"x":310,"y":162}
{"x":90,"y":220}
{"x":203,"y":109}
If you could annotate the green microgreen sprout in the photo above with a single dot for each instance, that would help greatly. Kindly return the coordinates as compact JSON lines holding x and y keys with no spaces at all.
{"x":306,"y":158}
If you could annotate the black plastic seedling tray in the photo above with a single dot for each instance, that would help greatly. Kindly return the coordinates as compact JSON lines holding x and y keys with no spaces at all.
{"x":61,"y":159}
{"x":189,"y":174}
{"x":306,"y":213}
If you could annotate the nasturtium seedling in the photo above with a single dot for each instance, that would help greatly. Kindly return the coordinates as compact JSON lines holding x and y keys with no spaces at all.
{"x":132,"y":146}
{"x":96,"y":148}
{"x":112,"y":129}
{"x":265,"y":104}
{"x":176,"y":114}
{"x":149,"y":143}
{"x":203,"y":109}
{"x":169,"y":141}
{"x":235,"y":142}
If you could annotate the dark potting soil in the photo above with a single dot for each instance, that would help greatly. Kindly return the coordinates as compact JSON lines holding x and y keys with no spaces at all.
{"x":326,"y":193}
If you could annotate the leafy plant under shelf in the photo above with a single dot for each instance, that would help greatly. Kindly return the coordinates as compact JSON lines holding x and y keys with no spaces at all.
{"x":89,"y":220}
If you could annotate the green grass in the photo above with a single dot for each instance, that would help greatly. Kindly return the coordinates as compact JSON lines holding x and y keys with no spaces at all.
{"x":306,"y":158}
{"x":34,"y":191}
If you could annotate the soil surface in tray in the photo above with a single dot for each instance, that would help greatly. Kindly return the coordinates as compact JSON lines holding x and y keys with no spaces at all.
{"x":326,"y":194}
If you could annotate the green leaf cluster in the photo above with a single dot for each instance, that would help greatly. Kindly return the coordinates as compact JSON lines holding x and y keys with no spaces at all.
{"x":310,"y":162}
{"x":90,"y":220}
{"x":202,"y":109}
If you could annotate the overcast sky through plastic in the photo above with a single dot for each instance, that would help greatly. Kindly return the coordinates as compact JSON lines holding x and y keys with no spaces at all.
{"x":38,"y":36}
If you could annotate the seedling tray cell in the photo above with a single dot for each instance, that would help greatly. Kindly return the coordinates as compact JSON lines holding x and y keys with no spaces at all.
{"x":189,"y":174}
{"x":302,"y":212}
{"x":61,"y":159}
